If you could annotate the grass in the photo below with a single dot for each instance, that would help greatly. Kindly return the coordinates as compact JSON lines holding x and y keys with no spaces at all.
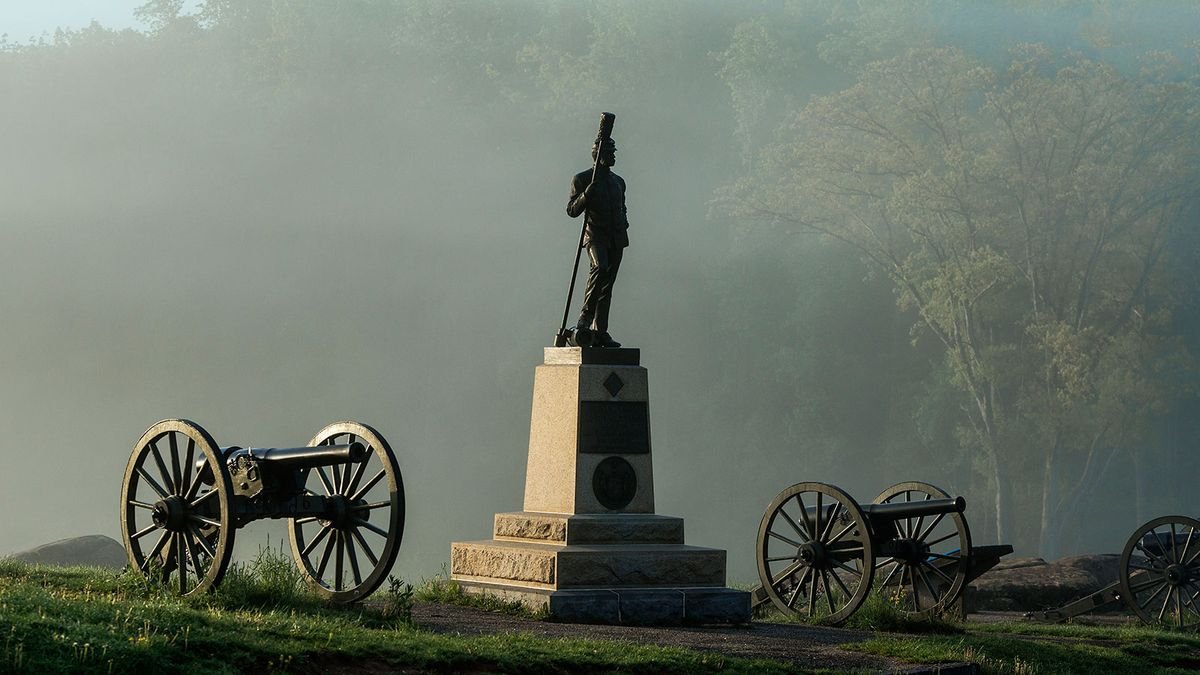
{"x":60,"y":620}
{"x":441,"y":588}
{"x":1017,"y":648}
{"x":1021,"y":648}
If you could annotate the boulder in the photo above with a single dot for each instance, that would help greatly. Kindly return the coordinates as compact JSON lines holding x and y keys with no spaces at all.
{"x":96,"y":550}
{"x":1030,"y":584}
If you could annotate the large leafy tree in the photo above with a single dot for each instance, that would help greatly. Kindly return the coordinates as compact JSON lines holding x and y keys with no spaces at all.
{"x":1024,"y":215}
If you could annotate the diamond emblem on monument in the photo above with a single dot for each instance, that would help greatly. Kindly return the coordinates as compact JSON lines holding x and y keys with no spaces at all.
{"x":613,"y":384}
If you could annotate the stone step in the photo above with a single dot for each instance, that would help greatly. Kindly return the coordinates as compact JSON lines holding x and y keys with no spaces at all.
{"x":555,"y":567}
{"x":614,"y":528}
{"x":629,"y":606}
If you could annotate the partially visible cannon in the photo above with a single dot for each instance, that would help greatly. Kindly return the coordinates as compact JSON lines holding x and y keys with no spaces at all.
{"x":1158,"y":577}
{"x":183,"y":498}
{"x":820,"y":553}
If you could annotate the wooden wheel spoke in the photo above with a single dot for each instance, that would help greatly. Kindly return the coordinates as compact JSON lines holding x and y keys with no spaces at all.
{"x":370,"y":484}
{"x":791,"y":601}
{"x":363,"y":544}
{"x":162,"y":467}
{"x":922,"y":534}
{"x":925,"y":582}
{"x":1143,"y":585}
{"x":143,"y":532}
{"x":205,"y":520}
{"x":846,"y":530}
{"x":358,"y":474}
{"x":353,"y":560}
{"x":844,"y":566}
{"x":370,"y":507}
{"x":1166,"y":601}
{"x":940,"y":573}
{"x":1183,"y":555}
{"x":316,"y":540}
{"x":812,"y":531}
{"x":325,"y":555}
{"x":795,"y":526}
{"x":784,"y":539}
{"x":835,"y":510}
{"x":828,"y":592}
{"x":185,"y":481}
{"x":337,"y":563}
{"x":895,"y":566}
{"x":154,"y":552}
{"x":812,"y":592}
{"x":818,"y":528}
{"x":941,"y":539}
{"x":194,"y":487}
{"x":181,"y":562}
{"x":203,"y":498}
{"x":176,"y":474}
{"x":1156,"y":558}
{"x":202,"y":541}
{"x":162,"y":493}
{"x":329,"y":488}
{"x":841,"y":583}
{"x":191,"y":551}
{"x":1162,"y":586}
{"x":1174,"y":545}
{"x":370,"y":526}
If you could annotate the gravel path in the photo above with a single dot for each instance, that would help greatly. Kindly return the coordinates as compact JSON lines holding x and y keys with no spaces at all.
{"x":806,"y":646}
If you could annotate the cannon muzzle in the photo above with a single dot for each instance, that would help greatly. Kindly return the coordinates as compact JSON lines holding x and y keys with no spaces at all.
{"x":926,"y":507}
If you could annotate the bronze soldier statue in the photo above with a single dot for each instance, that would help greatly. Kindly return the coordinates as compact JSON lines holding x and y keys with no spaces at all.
{"x":599,"y":194}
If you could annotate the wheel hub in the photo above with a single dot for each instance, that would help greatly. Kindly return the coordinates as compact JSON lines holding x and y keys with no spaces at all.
{"x":1176,"y":574}
{"x":170,"y":513}
{"x":339,"y":513}
{"x":814,"y":554}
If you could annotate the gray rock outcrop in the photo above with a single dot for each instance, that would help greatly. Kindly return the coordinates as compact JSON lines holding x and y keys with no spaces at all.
{"x":1030,"y":584}
{"x":96,"y":550}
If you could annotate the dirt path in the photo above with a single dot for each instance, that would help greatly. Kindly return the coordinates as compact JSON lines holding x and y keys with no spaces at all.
{"x":806,"y":646}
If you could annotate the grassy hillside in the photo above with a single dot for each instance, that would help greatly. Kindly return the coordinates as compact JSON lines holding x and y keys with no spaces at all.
{"x":80,"y":619}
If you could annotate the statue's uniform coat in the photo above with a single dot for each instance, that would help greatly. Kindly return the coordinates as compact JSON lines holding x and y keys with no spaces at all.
{"x":606,"y":234}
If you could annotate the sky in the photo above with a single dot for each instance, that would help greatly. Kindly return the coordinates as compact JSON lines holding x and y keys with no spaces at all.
{"x":25,"y":19}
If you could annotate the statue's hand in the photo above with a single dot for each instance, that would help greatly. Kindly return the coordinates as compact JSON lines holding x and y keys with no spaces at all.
{"x":589,"y":191}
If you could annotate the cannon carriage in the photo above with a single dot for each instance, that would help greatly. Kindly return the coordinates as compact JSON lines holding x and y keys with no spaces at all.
{"x":1158,"y":577}
{"x":184,"y":497}
{"x":820,"y":553}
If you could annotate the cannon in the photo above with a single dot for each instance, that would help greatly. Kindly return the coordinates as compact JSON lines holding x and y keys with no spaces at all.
{"x":1158,"y":577}
{"x":183,"y":498}
{"x":820,"y":553}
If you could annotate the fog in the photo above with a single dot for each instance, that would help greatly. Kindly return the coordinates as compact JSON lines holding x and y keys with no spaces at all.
{"x":269,"y":217}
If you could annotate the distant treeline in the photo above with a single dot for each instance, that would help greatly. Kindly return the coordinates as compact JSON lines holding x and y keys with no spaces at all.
{"x":941,"y":240}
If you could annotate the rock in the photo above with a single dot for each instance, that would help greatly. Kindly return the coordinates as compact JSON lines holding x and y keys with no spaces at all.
{"x":1023,"y":584}
{"x":95,"y":550}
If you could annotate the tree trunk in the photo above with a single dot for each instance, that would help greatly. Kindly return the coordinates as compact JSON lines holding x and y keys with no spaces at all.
{"x":1048,"y":544}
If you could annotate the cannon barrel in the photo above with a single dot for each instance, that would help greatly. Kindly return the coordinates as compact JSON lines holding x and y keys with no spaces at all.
{"x":311,"y":456}
{"x":926,"y":507}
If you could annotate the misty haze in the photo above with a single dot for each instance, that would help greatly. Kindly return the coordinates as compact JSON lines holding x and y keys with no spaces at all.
{"x":939,"y":241}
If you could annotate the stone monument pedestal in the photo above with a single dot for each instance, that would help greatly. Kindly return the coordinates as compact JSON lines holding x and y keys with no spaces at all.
{"x":588,"y":546}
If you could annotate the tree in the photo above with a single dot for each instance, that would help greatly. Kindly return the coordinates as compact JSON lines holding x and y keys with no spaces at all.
{"x":1024,"y":215}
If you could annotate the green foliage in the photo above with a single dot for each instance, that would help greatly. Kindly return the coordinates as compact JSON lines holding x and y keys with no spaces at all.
{"x":398,"y":600}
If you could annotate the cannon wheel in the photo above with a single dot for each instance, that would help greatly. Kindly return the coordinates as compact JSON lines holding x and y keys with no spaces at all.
{"x":175,"y":524}
{"x":930,"y":579}
{"x":369,"y":519}
{"x":814,"y":553}
{"x":1161,"y":583}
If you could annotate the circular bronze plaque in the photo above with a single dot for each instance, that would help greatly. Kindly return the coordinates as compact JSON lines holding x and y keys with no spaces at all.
{"x":614,"y":483}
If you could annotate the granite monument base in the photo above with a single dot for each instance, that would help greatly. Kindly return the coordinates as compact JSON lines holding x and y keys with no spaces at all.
{"x":588,"y":546}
